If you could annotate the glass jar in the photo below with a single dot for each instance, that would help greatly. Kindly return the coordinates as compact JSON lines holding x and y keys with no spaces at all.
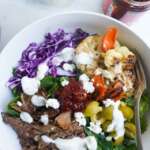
{"x":118,"y":8}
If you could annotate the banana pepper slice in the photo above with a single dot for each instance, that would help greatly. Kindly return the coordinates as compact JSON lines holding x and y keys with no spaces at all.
{"x":92,"y":110}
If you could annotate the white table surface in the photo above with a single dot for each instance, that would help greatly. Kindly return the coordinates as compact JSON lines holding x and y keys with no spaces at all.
{"x":16,"y":14}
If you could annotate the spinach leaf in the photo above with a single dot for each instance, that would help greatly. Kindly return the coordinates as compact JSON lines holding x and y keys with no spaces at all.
{"x":10,"y":110}
{"x":144,"y":108}
{"x":129,"y":101}
{"x":16,"y":92}
{"x":130,"y":144}
{"x":51,"y":84}
{"x":103,"y":144}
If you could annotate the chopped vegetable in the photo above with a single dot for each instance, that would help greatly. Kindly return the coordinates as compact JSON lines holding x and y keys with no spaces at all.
{"x":107,"y":113}
{"x":92,"y":109}
{"x":109,"y":39}
{"x":116,"y":91}
{"x":10,"y":107}
{"x":103,"y":144}
{"x":35,"y":54}
{"x":144,"y":109}
{"x":129,"y":101}
{"x":119,"y":140}
{"x":130,"y":130}
{"x":51,"y":84}
{"x":98,"y":82}
{"x":127,"y":111}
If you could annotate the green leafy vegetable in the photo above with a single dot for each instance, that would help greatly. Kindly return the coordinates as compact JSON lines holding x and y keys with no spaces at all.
{"x":10,"y":110}
{"x":103,"y":144}
{"x":51,"y":84}
{"x":129,"y":101}
{"x":16,"y":92}
{"x":144,"y":108}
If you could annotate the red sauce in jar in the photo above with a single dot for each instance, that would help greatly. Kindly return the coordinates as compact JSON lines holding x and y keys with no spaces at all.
{"x":120,"y":7}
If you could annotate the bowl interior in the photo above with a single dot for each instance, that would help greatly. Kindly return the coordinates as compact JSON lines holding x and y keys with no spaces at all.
{"x":90,"y":22}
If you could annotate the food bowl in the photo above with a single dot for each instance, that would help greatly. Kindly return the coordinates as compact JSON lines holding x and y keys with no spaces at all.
{"x":88,"y":21}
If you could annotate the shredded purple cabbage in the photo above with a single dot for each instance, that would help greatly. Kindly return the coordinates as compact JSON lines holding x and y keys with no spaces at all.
{"x":36,"y":53}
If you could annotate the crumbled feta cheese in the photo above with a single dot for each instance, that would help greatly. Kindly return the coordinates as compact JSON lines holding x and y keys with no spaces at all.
{"x":88,"y":87}
{"x":19,"y":103}
{"x":68,"y":67}
{"x":84,"y":78}
{"x":46,"y":139}
{"x":41,"y":71}
{"x":125,"y":89}
{"x":26,"y":117}
{"x":118,"y":68}
{"x":95,"y":127}
{"x":64,"y":82}
{"x":105,"y":73}
{"x":80,"y":118}
{"x":108,"y":74}
{"x":118,"y":118}
{"x":57,"y":61}
{"x":98,"y":71}
{"x":84,"y":58}
{"x":109,"y":138}
{"x":53,"y":103}
{"x":30,"y":86}
{"x":38,"y":101}
{"x":67,"y":54}
{"x":44,"y":119}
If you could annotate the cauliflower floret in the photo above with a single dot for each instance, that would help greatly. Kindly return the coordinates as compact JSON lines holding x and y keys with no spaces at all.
{"x":124,"y":51}
{"x":89,"y":46}
{"x":111,"y":56}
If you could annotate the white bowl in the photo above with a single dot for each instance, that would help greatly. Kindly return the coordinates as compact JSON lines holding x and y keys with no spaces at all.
{"x":91,"y":22}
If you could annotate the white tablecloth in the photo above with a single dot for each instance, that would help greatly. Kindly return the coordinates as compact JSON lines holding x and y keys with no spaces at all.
{"x":16,"y":14}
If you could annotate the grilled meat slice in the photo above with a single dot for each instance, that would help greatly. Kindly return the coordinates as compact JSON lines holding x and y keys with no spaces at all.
{"x":30,"y":134}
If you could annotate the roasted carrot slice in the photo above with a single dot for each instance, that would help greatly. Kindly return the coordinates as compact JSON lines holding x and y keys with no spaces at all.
{"x":108,"y":41}
{"x":99,"y":83}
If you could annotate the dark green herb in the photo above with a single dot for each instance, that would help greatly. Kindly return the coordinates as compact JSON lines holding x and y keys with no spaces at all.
{"x":106,"y":145}
{"x":51,"y":84}
{"x":144,"y":108}
{"x":14,"y":71}
{"x":16,"y":92}
{"x":10,"y":110}
{"x":129,"y":101}
{"x":101,"y":142}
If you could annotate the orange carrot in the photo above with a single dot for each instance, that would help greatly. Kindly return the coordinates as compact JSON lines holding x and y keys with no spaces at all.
{"x":99,"y":83}
{"x":108,"y":41}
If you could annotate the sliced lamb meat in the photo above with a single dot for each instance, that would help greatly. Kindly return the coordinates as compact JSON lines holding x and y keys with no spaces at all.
{"x":52,"y":113}
{"x":44,"y":146}
{"x":29,"y":134}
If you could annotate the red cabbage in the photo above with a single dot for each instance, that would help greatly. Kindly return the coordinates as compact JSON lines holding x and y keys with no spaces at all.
{"x":36,"y":53}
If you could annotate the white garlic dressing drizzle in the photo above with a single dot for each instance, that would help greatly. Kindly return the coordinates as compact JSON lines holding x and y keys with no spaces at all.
{"x":76,"y":143}
{"x":118,"y":118}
